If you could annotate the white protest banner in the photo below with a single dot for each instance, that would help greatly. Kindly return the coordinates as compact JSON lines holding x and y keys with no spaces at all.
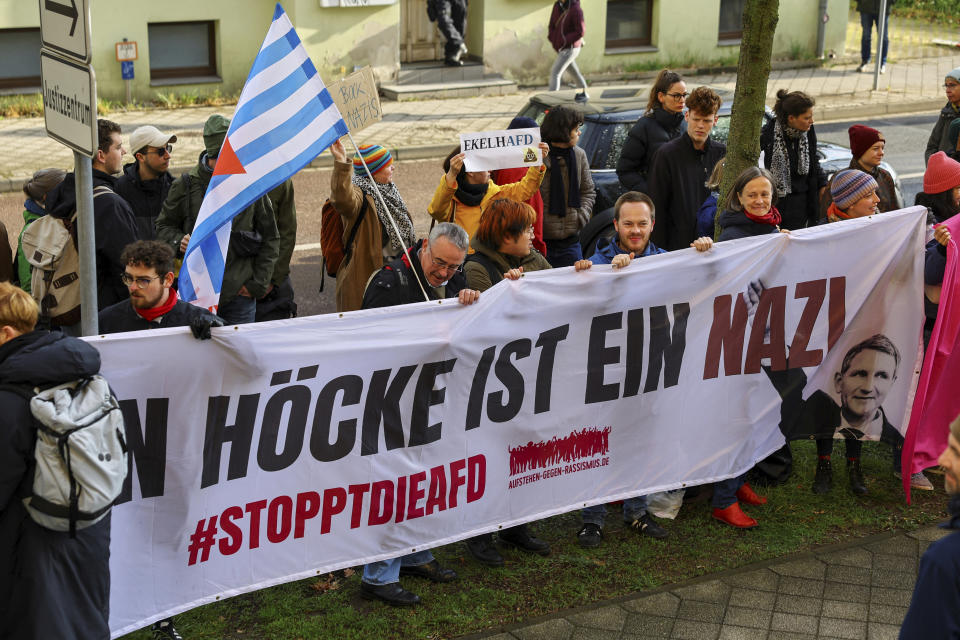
{"x":491,"y":150}
{"x":358,"y":100}
{"x":275,"y":451}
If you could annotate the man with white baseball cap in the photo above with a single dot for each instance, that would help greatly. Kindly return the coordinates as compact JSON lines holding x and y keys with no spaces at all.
{"x":146,"y":181}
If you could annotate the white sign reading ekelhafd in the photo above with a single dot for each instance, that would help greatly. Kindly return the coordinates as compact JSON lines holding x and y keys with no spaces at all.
{"x":490,"y":150}
{"x":69,"y":103}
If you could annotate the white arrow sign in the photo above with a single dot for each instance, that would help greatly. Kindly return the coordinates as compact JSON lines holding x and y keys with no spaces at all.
{"x":65,"y":27}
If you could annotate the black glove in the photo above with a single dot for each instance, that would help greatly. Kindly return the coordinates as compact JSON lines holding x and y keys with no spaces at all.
{"x":200,"y":326}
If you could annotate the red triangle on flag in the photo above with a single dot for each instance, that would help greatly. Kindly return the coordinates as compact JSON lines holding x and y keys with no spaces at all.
{"x":227,"y":162}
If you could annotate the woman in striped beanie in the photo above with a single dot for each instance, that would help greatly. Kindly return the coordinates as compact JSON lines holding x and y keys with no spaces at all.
{"x":854,"y":195}
{"x":379,"y":238}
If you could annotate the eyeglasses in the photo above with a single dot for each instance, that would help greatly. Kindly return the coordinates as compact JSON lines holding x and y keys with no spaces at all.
{"x":142,"y":283}
{"x":161,"y":150}
{"x":951,"y":86}
{"x":678,"y":96}
{"x":440,"y":264}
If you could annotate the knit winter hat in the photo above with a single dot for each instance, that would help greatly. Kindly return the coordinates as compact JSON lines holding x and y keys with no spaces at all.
{"x":214,"y":132}
{"x":523,"y":122}
{"x":849,"y":186}
{"x":375,"y":156}
{"x":42,"y":182}
{"x":942,"y":174}
{"x":955,"y":74}
{"x":862,"y":138}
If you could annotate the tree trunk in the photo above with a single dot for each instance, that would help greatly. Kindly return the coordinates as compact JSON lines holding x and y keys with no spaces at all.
{"x":753,"y":71}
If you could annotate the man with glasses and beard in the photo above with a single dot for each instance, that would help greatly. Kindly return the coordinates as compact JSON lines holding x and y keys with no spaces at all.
{"x":153,"y":302}
{"x":146,"y":181}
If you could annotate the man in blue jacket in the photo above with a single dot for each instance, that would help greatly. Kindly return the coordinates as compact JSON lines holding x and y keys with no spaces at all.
{"x":634,"y":216}
{"x":935,"y":609}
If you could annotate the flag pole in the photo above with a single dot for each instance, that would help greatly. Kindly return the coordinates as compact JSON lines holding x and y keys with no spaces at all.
{"x":393,"y":223}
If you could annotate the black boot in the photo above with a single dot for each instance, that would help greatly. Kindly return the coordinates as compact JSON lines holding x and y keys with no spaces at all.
{"x":482,"y":548}
{"x":520,"y":538}
{"x":855,"y":473}
{"x":823,"y":480}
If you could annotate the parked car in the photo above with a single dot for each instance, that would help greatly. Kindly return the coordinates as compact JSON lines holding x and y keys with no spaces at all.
{"x":609,"y":115}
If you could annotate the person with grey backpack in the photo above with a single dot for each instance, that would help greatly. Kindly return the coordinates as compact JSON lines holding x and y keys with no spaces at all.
{"x":63,"y":461}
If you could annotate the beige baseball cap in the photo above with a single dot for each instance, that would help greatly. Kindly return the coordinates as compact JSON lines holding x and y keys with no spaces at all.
{"x":149,"y":136}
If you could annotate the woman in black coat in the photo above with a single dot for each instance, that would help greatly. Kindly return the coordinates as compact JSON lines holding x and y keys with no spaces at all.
{"x":750,"y":209}
{"x":661,"y":122}
{"x":789,"y":145}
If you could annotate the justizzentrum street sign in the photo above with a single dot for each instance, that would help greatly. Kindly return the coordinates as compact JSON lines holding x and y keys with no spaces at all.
{"x":69,"y":103}
{"x":65,"y":28}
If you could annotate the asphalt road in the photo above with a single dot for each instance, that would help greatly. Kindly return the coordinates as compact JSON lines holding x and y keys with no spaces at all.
{"x":906,"y":139}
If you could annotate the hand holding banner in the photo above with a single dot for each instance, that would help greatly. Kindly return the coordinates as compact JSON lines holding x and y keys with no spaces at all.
{"x":490,"y":150}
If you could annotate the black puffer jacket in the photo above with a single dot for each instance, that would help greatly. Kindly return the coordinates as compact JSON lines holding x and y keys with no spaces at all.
{"x":114,"y":228}
{"x":145,"y":197}
{"x":645,"y":137}
{"x":51,"y":585}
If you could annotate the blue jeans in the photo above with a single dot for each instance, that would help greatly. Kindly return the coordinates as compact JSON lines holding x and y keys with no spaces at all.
{"x":725,"y":491}
{"x":388,"y":571}
{"x":563,"y":253}
{"x":633,"y":508}
{"x":867,"y":20}
{"x":239,"y":310}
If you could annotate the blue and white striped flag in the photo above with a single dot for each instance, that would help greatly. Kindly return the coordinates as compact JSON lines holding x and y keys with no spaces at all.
{"x":284,"y":119}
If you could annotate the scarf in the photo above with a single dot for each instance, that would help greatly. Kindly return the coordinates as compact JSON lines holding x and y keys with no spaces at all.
{"x":155,"y":312}
{"x":834,"y":214}
{"x":771,"y":217}
{"x":559,"y":204}
{"x":780,"y":163}
{"x":395,"y":205}
{"x":470,"y":194}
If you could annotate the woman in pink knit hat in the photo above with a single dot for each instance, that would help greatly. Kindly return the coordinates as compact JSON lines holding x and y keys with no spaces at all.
{"x":941,"y":187}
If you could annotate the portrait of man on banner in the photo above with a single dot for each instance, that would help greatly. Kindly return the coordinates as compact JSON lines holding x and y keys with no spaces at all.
{"x":866,"y":375}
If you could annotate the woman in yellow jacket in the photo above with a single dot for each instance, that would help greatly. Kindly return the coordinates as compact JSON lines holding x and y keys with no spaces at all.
{"x":463,"y":196}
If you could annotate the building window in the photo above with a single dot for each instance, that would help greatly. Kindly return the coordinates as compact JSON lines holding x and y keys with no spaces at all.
{"x":19,"y":58}
{"x":731,"y":20}
{"x":628,"y":23}
{"x":182,"y":49}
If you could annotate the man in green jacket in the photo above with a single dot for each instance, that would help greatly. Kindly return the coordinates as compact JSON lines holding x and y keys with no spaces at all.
{"x":254,"y":239}
{"x":279,"y":302}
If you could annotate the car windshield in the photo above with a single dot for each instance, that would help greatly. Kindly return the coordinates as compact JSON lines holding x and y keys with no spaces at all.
{"x":603,"y":142}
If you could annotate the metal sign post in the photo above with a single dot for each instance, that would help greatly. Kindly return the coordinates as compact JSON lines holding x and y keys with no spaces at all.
{"x":70,"y":115}
{"x":126,"y":54}
{"x":86,"y":239}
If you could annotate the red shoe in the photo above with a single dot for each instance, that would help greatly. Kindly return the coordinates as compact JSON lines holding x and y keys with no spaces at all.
{"x":735,"y":517}
{"x":747,"y":495}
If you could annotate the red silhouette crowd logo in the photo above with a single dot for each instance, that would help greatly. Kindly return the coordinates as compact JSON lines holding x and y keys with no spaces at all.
{"x":584,"y":443}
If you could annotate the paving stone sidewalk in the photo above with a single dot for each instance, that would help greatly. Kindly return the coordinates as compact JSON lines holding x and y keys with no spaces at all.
{"x":858,"y":590}
{"x":429,"y":128}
